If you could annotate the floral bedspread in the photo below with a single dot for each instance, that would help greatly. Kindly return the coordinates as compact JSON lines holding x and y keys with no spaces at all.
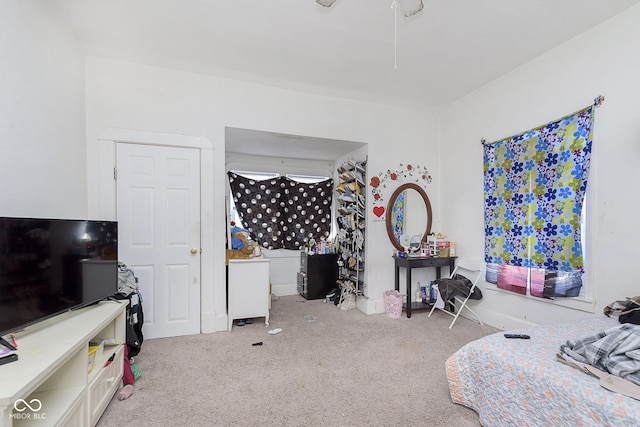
{"x":514,"y":382}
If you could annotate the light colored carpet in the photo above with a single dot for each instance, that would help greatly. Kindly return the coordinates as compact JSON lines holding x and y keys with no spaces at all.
{"x":328,"y":367}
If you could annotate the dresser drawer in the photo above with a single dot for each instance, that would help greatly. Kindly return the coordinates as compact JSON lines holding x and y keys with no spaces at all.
{"x":105,"y":384}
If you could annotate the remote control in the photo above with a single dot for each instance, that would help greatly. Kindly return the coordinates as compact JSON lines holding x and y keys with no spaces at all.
{"x":517,"y":336}
{"x":8,"y":359}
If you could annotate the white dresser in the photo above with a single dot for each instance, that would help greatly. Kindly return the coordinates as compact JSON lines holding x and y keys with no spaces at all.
{"x":248,"y":289}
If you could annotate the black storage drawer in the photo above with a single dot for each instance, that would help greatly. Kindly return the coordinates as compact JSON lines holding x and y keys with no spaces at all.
{"x":318,"y":275}
{"x":302,"y":283}
{"x":303,"y":262}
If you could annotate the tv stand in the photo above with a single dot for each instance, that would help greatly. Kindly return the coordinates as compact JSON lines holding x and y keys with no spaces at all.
{"x":54,"y":375}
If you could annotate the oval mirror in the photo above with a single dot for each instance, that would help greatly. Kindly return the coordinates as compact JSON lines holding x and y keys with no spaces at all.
{"x":408,"y":213}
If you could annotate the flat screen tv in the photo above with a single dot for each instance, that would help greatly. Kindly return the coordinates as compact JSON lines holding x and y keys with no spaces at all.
{"x":48,"y":266}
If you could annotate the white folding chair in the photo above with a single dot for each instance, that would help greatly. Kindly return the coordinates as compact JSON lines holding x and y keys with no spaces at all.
{"x":472,"y":273}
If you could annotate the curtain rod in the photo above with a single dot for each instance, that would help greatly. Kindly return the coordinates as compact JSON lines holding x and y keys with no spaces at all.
{"x":597,"y":102}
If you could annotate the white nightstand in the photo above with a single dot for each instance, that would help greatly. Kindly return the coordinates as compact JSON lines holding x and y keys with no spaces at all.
{"x":249,"y":294}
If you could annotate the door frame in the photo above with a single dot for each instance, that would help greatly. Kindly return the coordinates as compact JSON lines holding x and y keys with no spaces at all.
{"x":105,"y":200}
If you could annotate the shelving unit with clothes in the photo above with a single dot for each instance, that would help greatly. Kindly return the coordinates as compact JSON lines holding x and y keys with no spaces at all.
{"x":351,"y":231}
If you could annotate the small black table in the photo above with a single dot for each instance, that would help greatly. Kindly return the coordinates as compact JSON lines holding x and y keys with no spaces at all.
{"x":410,"y":263}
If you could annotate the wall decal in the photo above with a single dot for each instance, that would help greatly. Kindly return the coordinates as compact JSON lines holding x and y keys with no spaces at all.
{"x":378,"y":212}
{"x":384,"y":183}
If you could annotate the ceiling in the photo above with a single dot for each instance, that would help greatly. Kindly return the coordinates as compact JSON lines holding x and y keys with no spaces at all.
{"x":352,"y":49}
{"x":272,"y":144}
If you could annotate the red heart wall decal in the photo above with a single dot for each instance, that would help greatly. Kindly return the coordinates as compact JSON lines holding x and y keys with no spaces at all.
{"x":378,"y":211}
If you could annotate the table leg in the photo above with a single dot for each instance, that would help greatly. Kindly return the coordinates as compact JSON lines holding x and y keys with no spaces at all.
{"x":408,"y":293}
{"x":397,"y":278}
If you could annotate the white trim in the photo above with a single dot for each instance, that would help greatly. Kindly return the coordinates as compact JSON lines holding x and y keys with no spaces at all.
{"x":500,"y":320}
{"x":155,"y":138}
{"x":577,"y":303}
{"x":210,"y":321}
{"x":258,"y":176}
{"x":284,"y":289}
{"x":308,"y":179}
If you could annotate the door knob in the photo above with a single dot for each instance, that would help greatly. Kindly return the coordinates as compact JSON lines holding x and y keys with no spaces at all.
{"x":194,"y":251}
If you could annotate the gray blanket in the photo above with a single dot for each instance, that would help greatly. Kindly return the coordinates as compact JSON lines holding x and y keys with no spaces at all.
{"x":616,"y":351}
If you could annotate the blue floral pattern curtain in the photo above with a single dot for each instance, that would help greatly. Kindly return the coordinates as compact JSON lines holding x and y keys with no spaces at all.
{"x":534,"y":185}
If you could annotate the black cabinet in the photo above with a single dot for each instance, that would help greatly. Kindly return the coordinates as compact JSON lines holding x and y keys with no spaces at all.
{"x":317,"y":275}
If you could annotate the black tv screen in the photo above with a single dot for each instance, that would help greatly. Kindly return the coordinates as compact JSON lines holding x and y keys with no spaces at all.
{"x":48,"y":266}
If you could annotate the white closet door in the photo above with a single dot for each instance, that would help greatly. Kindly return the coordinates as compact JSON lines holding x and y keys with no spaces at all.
{"x":159,"y":233}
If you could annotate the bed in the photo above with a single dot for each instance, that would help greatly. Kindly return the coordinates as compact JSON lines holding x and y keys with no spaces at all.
{"x":516,"y":382}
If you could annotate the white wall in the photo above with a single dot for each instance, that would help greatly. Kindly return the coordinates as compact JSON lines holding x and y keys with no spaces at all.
{"x":134,"y":96}
{"x":42,"y":141}
{"x":603,"y":61}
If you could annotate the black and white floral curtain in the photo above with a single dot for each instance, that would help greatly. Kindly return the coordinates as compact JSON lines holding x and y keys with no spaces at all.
{"x":281,"y":213}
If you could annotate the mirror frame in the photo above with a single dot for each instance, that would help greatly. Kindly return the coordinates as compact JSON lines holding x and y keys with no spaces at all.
{"x":392,"y":200}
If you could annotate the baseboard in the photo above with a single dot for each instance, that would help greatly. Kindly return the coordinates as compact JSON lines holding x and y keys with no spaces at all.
{"x":284,"y":289}
{"x":370,"y":306}
{"x":489,"y":317}
{"x":497,"y":319}
{"x":212,"y":322}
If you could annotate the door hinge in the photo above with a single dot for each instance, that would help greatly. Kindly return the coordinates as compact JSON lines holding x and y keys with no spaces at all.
{"x":115,"y":174}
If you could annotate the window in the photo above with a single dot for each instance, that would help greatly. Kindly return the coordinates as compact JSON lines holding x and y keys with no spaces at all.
{"x":234,"y":214}
{"x":280,"y":212}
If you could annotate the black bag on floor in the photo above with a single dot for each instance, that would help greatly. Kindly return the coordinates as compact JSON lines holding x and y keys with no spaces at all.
{"x":128,"y":289}
{"x":135,"y":320}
